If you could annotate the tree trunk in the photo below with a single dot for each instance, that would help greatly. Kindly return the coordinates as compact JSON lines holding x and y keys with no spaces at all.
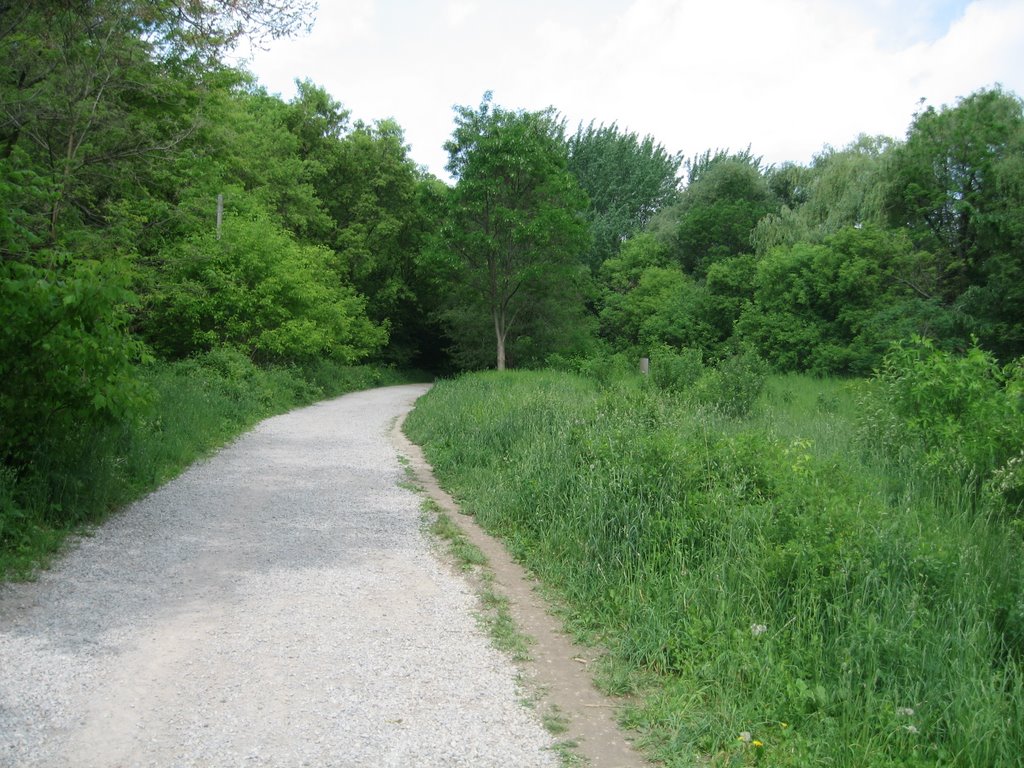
{"x":499,"y":334}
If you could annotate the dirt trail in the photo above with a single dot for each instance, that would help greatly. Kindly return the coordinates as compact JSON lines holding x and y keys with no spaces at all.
{"x":558,"y":667}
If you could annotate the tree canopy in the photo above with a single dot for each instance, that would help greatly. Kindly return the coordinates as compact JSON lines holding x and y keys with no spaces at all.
{"x":122,"y":126}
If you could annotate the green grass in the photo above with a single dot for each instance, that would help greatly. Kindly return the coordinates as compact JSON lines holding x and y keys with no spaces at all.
{"x":467,"y":555}
{"x":196,"y":406}
{"x":494,"y":616}
{"x":768,"y":578}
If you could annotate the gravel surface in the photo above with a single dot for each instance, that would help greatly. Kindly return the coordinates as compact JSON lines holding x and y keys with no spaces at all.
{"x":276,"y":605}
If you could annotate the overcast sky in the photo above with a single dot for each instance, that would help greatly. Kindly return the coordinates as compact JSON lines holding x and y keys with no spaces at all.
{"x":784,"y":76}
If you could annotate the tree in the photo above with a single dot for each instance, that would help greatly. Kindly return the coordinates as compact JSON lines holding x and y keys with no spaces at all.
{"x":649,"y":302}
{"x":98,"y":99}
{"x":384,"y":211}
{"x":516,"y":221}
{"x":67,"y":361}
{"x":626,"y":178}
{"x":260,"y":291}
{"x":717,"y":212}
{"x":943,"y":182}
{"x":835,"y":306}
{"x":957,"y":185}
{"x":840,"y":189}
{"x":96,"y":90}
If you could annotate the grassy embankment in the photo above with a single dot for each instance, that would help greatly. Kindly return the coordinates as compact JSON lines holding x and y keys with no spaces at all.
{"x":195,"y":407}
{"x":778,"y":588}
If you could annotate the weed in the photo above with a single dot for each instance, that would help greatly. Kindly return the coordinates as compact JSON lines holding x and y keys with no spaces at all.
{"x":754,"y":566}
{"x":554,"y":720}
{"x":467,"y":555}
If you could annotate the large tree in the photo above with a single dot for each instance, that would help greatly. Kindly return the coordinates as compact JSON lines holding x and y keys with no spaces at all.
{"x":517,"y":223}
{"x":841,"y":188}
{"x":726,"y":197}
{"x":628,"y":179}
{"x":957,"y":184}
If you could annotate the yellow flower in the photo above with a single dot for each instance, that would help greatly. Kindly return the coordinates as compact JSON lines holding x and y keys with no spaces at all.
{"x":757,"y":743}
{"x":783,"y":726}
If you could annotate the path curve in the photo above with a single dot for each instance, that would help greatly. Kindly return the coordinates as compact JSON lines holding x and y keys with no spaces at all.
{"x":275,"y":605}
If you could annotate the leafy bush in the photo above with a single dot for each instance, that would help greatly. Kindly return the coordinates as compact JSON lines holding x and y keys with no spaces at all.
{"x":603,"y":367}
{"x":259,"y":290}
{"x":735,"y":384}
{"x":66,"y":358}
{"x":676,"y":370}
{"x":962,"y":416}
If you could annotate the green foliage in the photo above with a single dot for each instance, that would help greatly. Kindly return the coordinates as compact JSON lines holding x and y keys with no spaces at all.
{"x":676,"y":370}
{"x":754,"y":580}
{"x":841,"y":188}
{"x":718,"y":212}
{"x":734,"y":385}
{"x":66,"y":359}
{"x":836,"y":306}
{"x":383,"y":213}
{"x":601,"y":365}
{"x":664,"y":307}
{"x":515,"y":226}
{"x":730,"y":284}
{"x":258,"y":290}
{"x":960,"y":416}
{"x":627,"y":181}
{"x":731,"y":387}
{"x":957,"y":184}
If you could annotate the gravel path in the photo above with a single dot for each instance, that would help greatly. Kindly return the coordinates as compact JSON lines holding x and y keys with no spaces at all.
{"x":276,"y":605}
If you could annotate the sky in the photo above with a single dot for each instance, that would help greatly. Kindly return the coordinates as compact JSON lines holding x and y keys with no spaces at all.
{"x":785,"y":77}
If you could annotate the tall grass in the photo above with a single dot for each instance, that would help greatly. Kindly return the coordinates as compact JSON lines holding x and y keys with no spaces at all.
{"x":779,"y":591}
{"x":195,"y":407}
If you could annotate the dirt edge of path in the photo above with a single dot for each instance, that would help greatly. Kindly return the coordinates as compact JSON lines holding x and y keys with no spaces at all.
{"x":557,"y":667}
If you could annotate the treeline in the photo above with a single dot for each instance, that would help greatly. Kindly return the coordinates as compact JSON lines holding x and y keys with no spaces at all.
{"x":121,"y":127}
{"x":119,"y":131}
{"x":814,"y":268}
{"x":122,"y":288}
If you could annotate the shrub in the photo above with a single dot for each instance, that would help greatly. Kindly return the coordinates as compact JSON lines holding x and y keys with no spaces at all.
{"x":734,"y":386}
{"x":962,"y":416}
{"x":676,"y":370}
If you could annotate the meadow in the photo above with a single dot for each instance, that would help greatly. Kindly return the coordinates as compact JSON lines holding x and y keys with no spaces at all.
{"x":783,"y":570}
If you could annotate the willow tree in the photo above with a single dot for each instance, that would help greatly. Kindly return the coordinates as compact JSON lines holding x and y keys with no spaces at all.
{"x":517,"y":226}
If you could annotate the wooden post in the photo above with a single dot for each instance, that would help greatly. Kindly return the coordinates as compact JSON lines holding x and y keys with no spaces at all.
{"x":220,"y":213}
{"x":645,"y":365}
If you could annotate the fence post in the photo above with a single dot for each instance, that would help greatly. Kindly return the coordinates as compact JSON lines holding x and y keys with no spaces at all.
{"x":645,"y":365}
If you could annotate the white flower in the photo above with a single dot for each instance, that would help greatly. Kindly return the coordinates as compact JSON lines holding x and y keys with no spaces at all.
{"x":912,"y":730}
{"x":746,"y":737}
{"x":758,"y":629}
{"x":905,"y":711}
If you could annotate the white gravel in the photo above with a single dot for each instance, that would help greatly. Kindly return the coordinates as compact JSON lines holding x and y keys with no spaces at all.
{"x":276,"y":605}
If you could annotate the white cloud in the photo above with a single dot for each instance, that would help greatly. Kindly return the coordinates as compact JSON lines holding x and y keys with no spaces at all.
{"x":459,"y":11}
{"x":985,"y":46}
{"x":785,"y":76}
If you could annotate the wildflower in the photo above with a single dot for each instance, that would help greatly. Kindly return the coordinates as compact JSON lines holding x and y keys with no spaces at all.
{"x":757,"y":743}
{"x":905,"y":711}
{"x":758,"y":629}
{"x":783,"y":726}
{"x":745,"y":737}
{"x":912,"y":730}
